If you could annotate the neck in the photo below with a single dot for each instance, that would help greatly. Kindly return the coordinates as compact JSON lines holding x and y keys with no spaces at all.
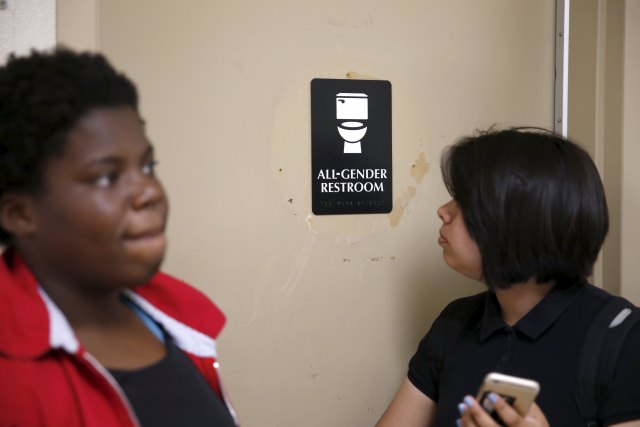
{"x":87,"y":310}
{"x":520,"y":298}
{"x":85,"y":305}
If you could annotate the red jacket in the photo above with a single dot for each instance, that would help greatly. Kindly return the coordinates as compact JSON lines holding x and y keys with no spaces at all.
{"x":46,"y":376}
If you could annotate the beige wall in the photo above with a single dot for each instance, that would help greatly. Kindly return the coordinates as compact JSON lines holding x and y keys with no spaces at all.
{"x":26,"y":24}
{"x":596,"y":43}
{"x":77,"y":23}
{"x":604,"y":103}
{"x":631,"y":155}
{"x":324,"y":312}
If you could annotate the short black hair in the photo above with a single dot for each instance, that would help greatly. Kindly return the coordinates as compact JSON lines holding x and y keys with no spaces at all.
{"x":42,"y":97}
{"x":532,"y":201}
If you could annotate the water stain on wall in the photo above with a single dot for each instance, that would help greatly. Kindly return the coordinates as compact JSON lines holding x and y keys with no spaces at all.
{"x":419,"y":168}
{"x":400,"y":205}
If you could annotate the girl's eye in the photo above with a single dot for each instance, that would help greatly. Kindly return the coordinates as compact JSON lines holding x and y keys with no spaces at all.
{"x":106,"y":180}
{"x":149,"y":168}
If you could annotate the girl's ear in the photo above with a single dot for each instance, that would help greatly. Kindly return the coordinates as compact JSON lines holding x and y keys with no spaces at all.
{"x":17,"y":214}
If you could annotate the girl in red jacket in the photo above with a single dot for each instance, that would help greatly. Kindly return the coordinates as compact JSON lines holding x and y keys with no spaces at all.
{"x":91,"y":334}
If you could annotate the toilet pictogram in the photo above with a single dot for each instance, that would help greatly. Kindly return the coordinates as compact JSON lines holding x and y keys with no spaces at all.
{"x":352,"y":113}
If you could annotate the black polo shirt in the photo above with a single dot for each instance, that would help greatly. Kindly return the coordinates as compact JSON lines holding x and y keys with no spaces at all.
{"x":544,"y":345}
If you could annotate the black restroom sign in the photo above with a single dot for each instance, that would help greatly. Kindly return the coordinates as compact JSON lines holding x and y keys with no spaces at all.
{"x":350,"y":146}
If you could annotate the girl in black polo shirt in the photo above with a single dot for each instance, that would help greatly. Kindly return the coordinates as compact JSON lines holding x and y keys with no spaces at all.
{"x":528,"y":217}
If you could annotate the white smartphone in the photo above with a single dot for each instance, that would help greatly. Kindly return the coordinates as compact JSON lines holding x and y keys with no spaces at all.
{"x":517,"y":392}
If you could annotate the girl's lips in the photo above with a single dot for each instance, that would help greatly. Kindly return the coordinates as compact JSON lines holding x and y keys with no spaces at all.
{"x":149,"y":244}
{"x":143,"y":228}
{"x":442,"y":240}
{"x":144,"y":234}
{"x":148,"y":238}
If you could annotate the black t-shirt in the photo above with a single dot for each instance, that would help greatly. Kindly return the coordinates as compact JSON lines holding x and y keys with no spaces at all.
{"x":173,"y":393}
{"x":544,"y":345}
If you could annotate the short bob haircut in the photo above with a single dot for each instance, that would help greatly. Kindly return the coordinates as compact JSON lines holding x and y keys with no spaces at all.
{"x":42,"y":97}
{"x":532,"y":201}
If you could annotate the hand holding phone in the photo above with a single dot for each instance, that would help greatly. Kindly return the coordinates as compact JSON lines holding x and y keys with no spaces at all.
{"x":517,"y":392}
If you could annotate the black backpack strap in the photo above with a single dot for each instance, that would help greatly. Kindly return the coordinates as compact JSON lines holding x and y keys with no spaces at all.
{"x":600,"y":351}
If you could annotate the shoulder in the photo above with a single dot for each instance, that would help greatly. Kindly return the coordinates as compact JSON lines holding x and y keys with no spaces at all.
{"x":461,"y":309}
{"x":426,"y":364}
{"x":465,"y":304}
{"x":24,"y":321}
{"x":183,"y":302}
{"x":598,"y":306}
{"x":596,"y":293}
{"x":455,"y":317}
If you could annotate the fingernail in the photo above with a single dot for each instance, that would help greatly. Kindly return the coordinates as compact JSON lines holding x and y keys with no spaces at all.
{"x":469,"y":401}
{"x":459,"y":422}
{"x":493,"y":397}
{"x":462,"y":407}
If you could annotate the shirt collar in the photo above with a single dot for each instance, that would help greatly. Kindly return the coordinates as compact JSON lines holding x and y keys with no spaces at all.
{"x":491,"y":317}
{"x":537,"y":320}
{"x":61,"y":335}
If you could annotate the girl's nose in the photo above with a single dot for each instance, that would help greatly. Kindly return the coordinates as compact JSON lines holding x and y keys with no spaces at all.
{"x":444,"y":211}
{"x":149,"y":194}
